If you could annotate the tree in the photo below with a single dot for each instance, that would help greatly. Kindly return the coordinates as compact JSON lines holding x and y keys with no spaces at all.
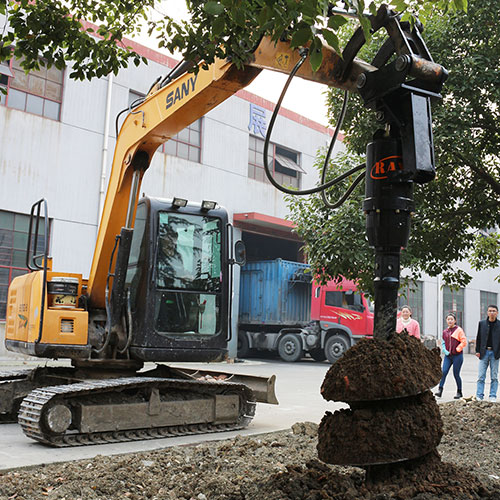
{"x":455,"y":211}
{"x":54,"y":30}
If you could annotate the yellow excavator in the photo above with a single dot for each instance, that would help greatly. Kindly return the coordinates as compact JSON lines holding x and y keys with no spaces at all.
{"x":160,"y":283}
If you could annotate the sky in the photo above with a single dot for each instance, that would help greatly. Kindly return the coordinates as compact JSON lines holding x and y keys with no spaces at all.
{"x":306,"y":98}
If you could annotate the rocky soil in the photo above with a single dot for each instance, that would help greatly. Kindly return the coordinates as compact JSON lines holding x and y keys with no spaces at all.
{"x":277,"y":466}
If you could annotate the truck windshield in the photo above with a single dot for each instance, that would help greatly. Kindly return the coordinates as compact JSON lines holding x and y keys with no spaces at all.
{"x":188,"y":252}
{"x":345,"y":299}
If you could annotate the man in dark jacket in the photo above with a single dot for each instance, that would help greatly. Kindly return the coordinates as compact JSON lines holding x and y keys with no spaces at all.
{"x":488,"y":352}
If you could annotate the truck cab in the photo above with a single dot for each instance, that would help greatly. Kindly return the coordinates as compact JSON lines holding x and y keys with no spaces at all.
{"x":341,"y":303}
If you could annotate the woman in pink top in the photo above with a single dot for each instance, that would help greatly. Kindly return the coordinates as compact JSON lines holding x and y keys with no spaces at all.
{"x":454,"y":341}
{"x":406,"y":322}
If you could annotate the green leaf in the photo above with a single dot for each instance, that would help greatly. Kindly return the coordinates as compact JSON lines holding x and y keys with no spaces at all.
{"x":263,"y":16}
{"x":460,"y":5}
{"x":336,"y":21}
{"x":316,"y":58}
{"x":316,"y":54}
{"x":213,"y":8}
{"x":239,"y":17}
{"x":400,"y":5}
{"x":366,"y":25}
{"x":301,"y":37}
{"x":332,"y":40}
{"x":218,"y":25}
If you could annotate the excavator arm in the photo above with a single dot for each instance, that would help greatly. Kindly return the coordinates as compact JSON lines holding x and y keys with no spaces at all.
{"x":168,"y":110}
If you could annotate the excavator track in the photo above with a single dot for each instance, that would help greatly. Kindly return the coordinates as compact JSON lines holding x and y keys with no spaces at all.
{"x":15,"y":385}
{"x":130,"y":409}
{"x":8,"y":382}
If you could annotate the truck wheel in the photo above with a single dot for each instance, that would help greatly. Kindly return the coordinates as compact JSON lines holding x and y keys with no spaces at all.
{"x":335,"y":348}
{"x":290,"y":348}
{"x":318,"y":354}
{"x":243,"y":346}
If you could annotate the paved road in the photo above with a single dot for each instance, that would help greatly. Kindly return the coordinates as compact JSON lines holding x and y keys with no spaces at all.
{"x":297,"y":388}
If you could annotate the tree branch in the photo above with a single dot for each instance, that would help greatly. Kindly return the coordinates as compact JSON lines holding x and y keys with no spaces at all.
{"x":481,"y":173}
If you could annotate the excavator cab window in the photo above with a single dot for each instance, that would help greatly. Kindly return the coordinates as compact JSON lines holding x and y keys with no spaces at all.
{"x":138,"y":253}
{"x":188,"y":274}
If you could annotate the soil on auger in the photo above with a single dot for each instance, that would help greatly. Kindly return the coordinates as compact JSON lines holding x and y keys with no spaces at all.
{"x":383,"y":433}
{"x":393,"y":417}
{"x":383,"y":369}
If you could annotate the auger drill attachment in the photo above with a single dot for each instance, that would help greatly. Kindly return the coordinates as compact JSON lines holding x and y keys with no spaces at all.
{"x":386,"y":380}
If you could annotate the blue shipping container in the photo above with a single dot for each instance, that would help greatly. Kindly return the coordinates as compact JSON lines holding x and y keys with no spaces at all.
{"x":275,"y":292}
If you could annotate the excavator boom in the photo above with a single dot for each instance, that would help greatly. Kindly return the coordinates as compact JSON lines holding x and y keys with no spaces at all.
{"x":168,"y":110}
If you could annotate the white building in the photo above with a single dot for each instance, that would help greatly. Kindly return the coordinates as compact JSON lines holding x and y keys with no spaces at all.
{"x":56,"y":142}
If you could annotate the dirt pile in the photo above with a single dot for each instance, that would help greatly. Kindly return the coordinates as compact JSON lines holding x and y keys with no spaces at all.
{"x":393,"y":416}
{"x":427,"y":480}
{"x":397,"y":429}
{"x":276,"y":466}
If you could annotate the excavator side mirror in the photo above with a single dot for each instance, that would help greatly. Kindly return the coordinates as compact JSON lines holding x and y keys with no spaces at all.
{"x":240,"y":253}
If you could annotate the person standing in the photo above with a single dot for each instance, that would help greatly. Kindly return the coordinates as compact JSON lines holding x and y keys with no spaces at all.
{"x":488,"y":352}
{"x":452,"y":346}
{"x":406,"y":322}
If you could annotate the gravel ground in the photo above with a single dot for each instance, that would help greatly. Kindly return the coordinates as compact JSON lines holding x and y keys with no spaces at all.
{"x":277,"y":466}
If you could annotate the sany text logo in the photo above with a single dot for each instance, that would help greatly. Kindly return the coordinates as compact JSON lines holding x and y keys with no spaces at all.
{"x":181,"y":91}
{"x":386,"y":165}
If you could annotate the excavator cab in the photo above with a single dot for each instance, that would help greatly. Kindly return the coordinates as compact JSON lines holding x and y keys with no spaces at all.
{"x":178,"y":279}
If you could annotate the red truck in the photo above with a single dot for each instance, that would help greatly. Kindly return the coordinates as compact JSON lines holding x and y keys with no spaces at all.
{"x":281,"y":311}
{"x":342,"y":314}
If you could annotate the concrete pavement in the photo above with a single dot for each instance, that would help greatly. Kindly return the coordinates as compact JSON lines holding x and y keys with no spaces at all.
{"x":297,"y":389}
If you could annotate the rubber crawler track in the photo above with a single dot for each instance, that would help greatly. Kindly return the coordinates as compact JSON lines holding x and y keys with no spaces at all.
{"x":32,"y":409}
{"x":7,"y":377}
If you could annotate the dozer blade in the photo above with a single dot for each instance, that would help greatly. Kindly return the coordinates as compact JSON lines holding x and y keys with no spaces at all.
{"x":262,"y":387}
{"x":15,"y":385}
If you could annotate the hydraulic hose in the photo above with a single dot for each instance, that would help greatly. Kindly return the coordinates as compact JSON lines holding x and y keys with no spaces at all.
{"x":317,"y":189}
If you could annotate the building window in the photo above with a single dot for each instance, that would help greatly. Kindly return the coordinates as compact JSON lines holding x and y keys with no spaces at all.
{"x":453,"y":301}
{"x":186,"y":144}
{"x":487,"y":299}
{"x":284,"y":163}
{"x":38,"y":92}
{"x":13,"y":243}
{"x":413,"y":295}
